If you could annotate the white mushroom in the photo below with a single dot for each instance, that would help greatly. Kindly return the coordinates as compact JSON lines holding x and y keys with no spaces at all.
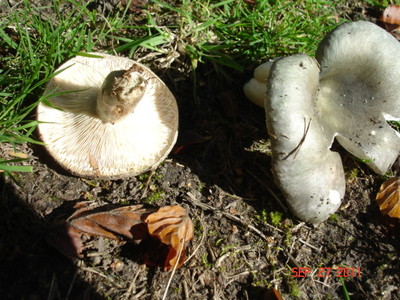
{"x":107,"y":117}
{"x":256,"y":88}
{"x":350,"y":96}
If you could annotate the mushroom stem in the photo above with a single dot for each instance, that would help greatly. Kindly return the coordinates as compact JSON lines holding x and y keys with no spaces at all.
{"x":120,"y":93}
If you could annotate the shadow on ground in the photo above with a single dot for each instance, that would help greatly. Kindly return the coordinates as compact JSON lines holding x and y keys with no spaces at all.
{"x":30,"y":269}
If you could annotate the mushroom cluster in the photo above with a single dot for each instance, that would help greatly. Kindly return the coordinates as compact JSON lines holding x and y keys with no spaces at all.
{"x":107,"y":117}
{"x":348,"y":92}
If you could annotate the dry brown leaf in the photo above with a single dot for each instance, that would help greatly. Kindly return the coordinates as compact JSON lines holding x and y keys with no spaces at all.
{"x":391,"y":19}
{"x":272,"y":294}
{"x":67,"y":240}
{"x":170,"y":226}
{"x":113,"y":224}
{"x":173,"y":227}
{"x":388,"y":197}
{"x":123,"y":222}
{"x":391,"y":15}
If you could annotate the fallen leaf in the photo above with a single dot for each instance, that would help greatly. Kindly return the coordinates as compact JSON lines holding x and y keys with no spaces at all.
{"x":388,"y":197}
{"x":391,"y":15}
{"x":119,"y":222}
{"x":173,"y":227}
{"x":391,"y":19}
{"x":169,"y":227}
{"x":272,"y":294}
{"x":67,"y":240}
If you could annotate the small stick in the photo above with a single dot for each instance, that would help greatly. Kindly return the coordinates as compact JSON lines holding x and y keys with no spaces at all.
{"x":269,"y":190}
{"x":71,"y":285}
{"x":182,"y":242}
{"x":201,"y":241}
{"x":146,"y":186}
{"x":132,"y":285}
{"x":309,"y":245}
{"x":297,"y":148}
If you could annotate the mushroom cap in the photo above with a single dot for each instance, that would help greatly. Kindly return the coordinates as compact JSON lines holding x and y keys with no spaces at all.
{"x":359,"y":91}
{"x":350,"y":96}
{"x":255,"y":89}
{"x":310,"y":175}
{"x":70,"y":127}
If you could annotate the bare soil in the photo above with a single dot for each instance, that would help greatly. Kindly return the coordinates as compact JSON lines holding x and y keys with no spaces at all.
{"x":246,"y":241}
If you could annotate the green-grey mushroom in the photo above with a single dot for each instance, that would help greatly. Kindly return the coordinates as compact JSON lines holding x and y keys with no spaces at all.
{"x":347,"y":93}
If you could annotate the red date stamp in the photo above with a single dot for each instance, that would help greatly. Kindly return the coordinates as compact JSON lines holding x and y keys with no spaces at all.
{"x":327,"y":272}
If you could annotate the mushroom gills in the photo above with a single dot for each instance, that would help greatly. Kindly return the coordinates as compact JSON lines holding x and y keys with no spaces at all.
{"x":107,"y":117}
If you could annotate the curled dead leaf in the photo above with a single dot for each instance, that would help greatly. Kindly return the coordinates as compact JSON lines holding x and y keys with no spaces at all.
{"x":272,"y":294}
{"x":391,"y":15}
{"x":113,"y":224}
{"x":170,"y":226}
{"x":388,"y":197}
{"x":173,"y":227}
{"x":391,"y":19}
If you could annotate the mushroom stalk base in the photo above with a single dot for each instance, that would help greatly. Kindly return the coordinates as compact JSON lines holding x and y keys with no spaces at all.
{"x":120,"y":93}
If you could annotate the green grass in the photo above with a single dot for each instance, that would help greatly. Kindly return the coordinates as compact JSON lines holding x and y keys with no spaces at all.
{"x":344,"y":288}
{"x":380,"y":3}
{"x":232,"y":33}
{"x":32,"y":49}
{"x":225,"y":33}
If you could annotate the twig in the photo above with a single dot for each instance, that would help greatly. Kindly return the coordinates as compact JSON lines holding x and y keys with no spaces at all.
{"x":297,"y":148}
{"x":292,"y":261}
{"x":51,"y":290}
{"x":132,"y":286}
{"x":185,"y":290}
{"x":231,"y":217}
{"x":91,"y":270}
{"x":236,"y":219}
{"x":309,"y":245}
{"x":182,"y":242}
{"x":269,"y":190}
{"x":138,"y":295}
{"x":234,"y":277}
{"x":71,"y":285}
{"x":235,"y":250}
{"x":200,"y":243}
{"x":323,"y":283}
{"x":146,"y":186}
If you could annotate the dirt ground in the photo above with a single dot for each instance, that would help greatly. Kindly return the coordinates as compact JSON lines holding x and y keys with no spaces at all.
{"x":246,"y":241}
